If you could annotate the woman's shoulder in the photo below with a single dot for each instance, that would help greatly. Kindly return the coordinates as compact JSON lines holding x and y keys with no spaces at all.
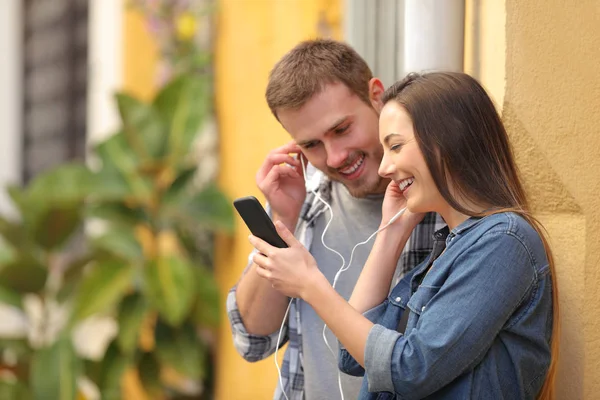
{"x":515,"y":226}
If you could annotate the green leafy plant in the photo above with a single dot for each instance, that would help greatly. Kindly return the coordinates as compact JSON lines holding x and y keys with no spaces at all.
{"x":145,"y":260}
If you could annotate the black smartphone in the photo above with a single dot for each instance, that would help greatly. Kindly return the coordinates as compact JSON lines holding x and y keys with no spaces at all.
{"x":257,"y":220}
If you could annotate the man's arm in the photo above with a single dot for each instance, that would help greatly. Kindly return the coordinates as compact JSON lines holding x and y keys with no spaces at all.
{"x":255,"y":309}
{"x":251,"y":345}
{"x":261,"y":307}
{"x":256,"y":313}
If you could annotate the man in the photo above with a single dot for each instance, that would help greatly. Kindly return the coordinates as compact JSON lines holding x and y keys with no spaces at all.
{"x":323,"y":93}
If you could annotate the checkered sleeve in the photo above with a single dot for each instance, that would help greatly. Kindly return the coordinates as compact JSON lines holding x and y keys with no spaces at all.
{"x":420,"y":243}
{"x":251,"y":347}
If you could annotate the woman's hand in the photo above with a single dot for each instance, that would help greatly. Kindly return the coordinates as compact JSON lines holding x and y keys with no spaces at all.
{"x":292,"y":270}
{"x":393,"y":202}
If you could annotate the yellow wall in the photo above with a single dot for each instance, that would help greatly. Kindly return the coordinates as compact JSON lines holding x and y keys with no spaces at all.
{"x":139,"y":68}
{"x":539,"y":59}
{"x":139,"y":56}
{"x":252,"y":36}
{"x":552,"y":101}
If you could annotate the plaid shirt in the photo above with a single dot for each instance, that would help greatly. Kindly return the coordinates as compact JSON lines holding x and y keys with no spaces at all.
{"x":257,"y":347}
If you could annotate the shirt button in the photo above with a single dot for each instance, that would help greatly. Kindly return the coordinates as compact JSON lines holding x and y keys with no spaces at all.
{"x":422,"y":308}
{"x":398,"y":299}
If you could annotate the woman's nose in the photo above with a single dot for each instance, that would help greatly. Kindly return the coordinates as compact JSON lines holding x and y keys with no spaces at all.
{"x":386,"y":168}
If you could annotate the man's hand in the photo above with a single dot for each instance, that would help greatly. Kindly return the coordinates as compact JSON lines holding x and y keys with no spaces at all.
{"x":283,"y":185}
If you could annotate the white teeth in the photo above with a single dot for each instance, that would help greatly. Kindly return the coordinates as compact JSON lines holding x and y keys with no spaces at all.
{"x":349,"y":170}
{"x":403,"y":184}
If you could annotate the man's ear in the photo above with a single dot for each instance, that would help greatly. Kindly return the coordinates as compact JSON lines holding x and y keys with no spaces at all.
{"x":376,"y":90}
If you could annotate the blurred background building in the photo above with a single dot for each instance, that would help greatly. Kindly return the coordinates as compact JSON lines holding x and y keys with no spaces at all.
{"x":63,"y":60}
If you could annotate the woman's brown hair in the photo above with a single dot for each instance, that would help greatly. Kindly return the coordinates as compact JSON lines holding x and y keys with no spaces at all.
{"x":463,"y":140}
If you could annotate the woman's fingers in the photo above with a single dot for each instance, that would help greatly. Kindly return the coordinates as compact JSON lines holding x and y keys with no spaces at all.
{"x":260,"y":245}
{"x":286,"y":235}
{"x":263,"y":273}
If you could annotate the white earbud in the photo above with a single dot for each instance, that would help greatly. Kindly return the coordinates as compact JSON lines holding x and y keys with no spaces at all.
{"x":395,"y":217}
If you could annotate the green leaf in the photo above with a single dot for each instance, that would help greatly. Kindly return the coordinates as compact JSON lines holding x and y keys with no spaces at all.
{"x":149,"y":373}
{"x":67,"y":183}
{"x":208,"y":302}
{"x":131,"y":316}
{"x":179,"y":185}
{"x":119,"y":162}
{"x":108,"y":185}
{"x":75,"y":268}
{"x":111,"y":371}
{"x":209,"y":209}
{"x":25,"y":274}
{"x":19,"y":347}
{"x":14,"y":234}
{"x":13,"y":390}
{"x":143,"y":126}
{"x":54,"y":372}
{"x":72,"y":276}
{"x":55,"y":226}
{"x":181,"y":349}
{"x":8,"y":296}
{"x":170,"y":286}
{"x":7,"y":252}
{"x":120,"y":242}
{"x":50,"y":207}
{"x":183,"y":104}
{"x":116,"y":213}
{"x":104,"y":286}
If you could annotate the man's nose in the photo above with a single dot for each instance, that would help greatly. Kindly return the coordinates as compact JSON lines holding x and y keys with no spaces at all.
{"x":336,"y":156}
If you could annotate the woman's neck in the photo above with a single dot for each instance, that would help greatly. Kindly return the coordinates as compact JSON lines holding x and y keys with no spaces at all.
{"x":454,"y":218}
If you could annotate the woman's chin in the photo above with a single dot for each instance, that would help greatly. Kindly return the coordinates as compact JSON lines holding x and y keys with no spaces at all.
{"x":416,"y":207}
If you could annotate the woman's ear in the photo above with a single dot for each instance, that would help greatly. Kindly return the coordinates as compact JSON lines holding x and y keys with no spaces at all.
{"x":376,"y":90}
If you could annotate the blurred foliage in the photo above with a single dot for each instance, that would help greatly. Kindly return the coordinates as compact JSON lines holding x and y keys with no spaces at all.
{"x":181,"y":29}
{"x":145,"y":268}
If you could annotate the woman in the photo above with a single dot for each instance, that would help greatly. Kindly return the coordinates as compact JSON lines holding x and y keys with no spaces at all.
{"x":479,"y":318}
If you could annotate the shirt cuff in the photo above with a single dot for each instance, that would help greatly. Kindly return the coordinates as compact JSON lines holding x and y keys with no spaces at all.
{"x":375,"y":313}
{"x":378,"y":358}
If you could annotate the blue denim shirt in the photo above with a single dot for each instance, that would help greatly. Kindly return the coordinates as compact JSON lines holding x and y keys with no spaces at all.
{"x":479,"y":323}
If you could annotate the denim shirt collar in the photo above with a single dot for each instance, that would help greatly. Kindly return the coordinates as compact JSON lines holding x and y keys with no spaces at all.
{"x":462,"y":227}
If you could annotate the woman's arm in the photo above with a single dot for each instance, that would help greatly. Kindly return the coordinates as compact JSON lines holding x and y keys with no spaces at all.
{"x":374,"y":282}
{"x":459,"y":324}
{"x":294,"y":272}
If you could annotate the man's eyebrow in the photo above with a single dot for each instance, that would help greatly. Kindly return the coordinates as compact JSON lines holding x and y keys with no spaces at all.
{"x":337,"y":123}
{"x":333,"y":127}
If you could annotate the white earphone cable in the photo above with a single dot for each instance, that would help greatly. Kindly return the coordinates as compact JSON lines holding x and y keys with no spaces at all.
{"x":343,"y":268}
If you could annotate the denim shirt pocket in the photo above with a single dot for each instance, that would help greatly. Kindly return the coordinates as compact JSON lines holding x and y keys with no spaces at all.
{"x":418,"y":302}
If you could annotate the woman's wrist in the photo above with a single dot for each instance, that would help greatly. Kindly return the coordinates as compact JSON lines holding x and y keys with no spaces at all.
{"x":395,"y":234}
{"x":316,"y":286}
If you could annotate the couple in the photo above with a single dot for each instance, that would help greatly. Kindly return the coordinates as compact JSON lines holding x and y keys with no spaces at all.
{"x":472,"y":312}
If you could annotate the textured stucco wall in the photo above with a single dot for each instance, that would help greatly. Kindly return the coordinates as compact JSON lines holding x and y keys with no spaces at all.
{"x":552,"y":111}
{"x":252,"y":36}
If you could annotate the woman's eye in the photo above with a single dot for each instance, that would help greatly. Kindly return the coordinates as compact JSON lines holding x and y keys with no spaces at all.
{"x":395,"y":147}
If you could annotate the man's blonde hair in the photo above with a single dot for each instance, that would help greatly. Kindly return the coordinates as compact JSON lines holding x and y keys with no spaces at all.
{"x":312,"y":64}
